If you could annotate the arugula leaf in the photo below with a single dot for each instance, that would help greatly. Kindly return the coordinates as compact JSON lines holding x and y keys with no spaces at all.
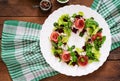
{"x":74,"y":57}
{"x":60,"y":43}
{"x":91,"y":23}
{"x":59,"y":51}
{"x":72,"y":53}
{"x":64,"y":20}
{"x":100,"y":30}
{"x":103,"y":39}
{"x":88,"y":46}
{"x":96,"y":53}
{"x":95,"y":60}
{"x":54,"y":44}
{"x":91,"y":26}
{"x":90,"y":31}
{"x":70,"y":63}
{"x":56,"y":51}
{"x":55,"y":24}
{"x":98,"y":42}
{"x":59,"y":38}
{"x":71,"y":48}
{"x":69,"y":24}
{"x":74,"y":15}
{"x":90,"y":55}
{"x":81,"y":34}
{"x":89,"y":52}
{"x":95,"y":31}
{"x":67,"y":31}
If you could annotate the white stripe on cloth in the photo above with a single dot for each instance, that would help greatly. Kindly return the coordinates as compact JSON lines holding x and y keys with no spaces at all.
{"x":20,"y":58}
{"x":29,"y":77}
{"x":115,"y":38}
{"x":27,"y":31}
{"x":98,"y":5}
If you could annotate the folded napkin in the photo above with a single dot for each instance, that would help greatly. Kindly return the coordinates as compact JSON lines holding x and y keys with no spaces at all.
{"x":21,"y":52}
{"x":20,"y":43}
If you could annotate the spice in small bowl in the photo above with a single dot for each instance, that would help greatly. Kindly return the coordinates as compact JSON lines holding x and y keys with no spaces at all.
{"x":45,"y":5}
{"x":62,"y":1}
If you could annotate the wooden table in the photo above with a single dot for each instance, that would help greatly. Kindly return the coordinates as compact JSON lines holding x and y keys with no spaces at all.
{"x":22,"y":10}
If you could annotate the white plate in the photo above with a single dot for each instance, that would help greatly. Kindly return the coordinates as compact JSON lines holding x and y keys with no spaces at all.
{"x":45,"y":43}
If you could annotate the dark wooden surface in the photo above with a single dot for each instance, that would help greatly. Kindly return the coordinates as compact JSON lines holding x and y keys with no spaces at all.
{"x":22,"y":10}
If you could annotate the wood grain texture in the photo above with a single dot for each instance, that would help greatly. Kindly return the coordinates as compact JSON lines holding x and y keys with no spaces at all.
{"x":0,"y":50}
{"x":39,"y":20}
{"x":115,"y":54}
{"x":1,"y":28}
{"x":110,"y":71}
{"x":4,"y":75}
{"x":24,"y":7}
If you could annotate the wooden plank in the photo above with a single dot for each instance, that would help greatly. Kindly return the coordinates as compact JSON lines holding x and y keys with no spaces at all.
{"x":0,"y":50}
{"x":4,"y":75}
{"x":110,"y":71}
{"x":20,"y":10}
{"x":115,"y":54}
{"x":1,"y":28}
{"x":24,"y":7}
{"x":82,"y":2}
{"x":39,"y":20}
{"x":19,"y":1}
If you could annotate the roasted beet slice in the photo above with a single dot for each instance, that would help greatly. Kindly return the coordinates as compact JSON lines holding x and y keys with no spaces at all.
{"x":76,"y":54}
{"x":84,"y":47}
{"x":60,"y":30}
{"x":74,"y":30}
{"x":74,"y":63}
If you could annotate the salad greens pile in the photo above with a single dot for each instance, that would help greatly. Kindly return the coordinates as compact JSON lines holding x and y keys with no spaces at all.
{"x":90,"y":52}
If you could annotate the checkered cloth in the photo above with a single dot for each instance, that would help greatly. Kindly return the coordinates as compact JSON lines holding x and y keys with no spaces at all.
{"x":110,"y":10}
{"x":21,"y":52}
{"x":20,"y":43}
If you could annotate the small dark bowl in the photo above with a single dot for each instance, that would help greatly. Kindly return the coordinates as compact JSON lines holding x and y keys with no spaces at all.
{"x":45,"y":5}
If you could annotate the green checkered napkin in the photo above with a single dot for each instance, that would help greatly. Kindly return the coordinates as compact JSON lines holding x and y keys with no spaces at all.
{"x":21,"y":52}
{"x":20,"y":43}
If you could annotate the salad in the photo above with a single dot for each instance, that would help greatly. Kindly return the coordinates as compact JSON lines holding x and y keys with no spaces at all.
{"x":87,"y":28}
